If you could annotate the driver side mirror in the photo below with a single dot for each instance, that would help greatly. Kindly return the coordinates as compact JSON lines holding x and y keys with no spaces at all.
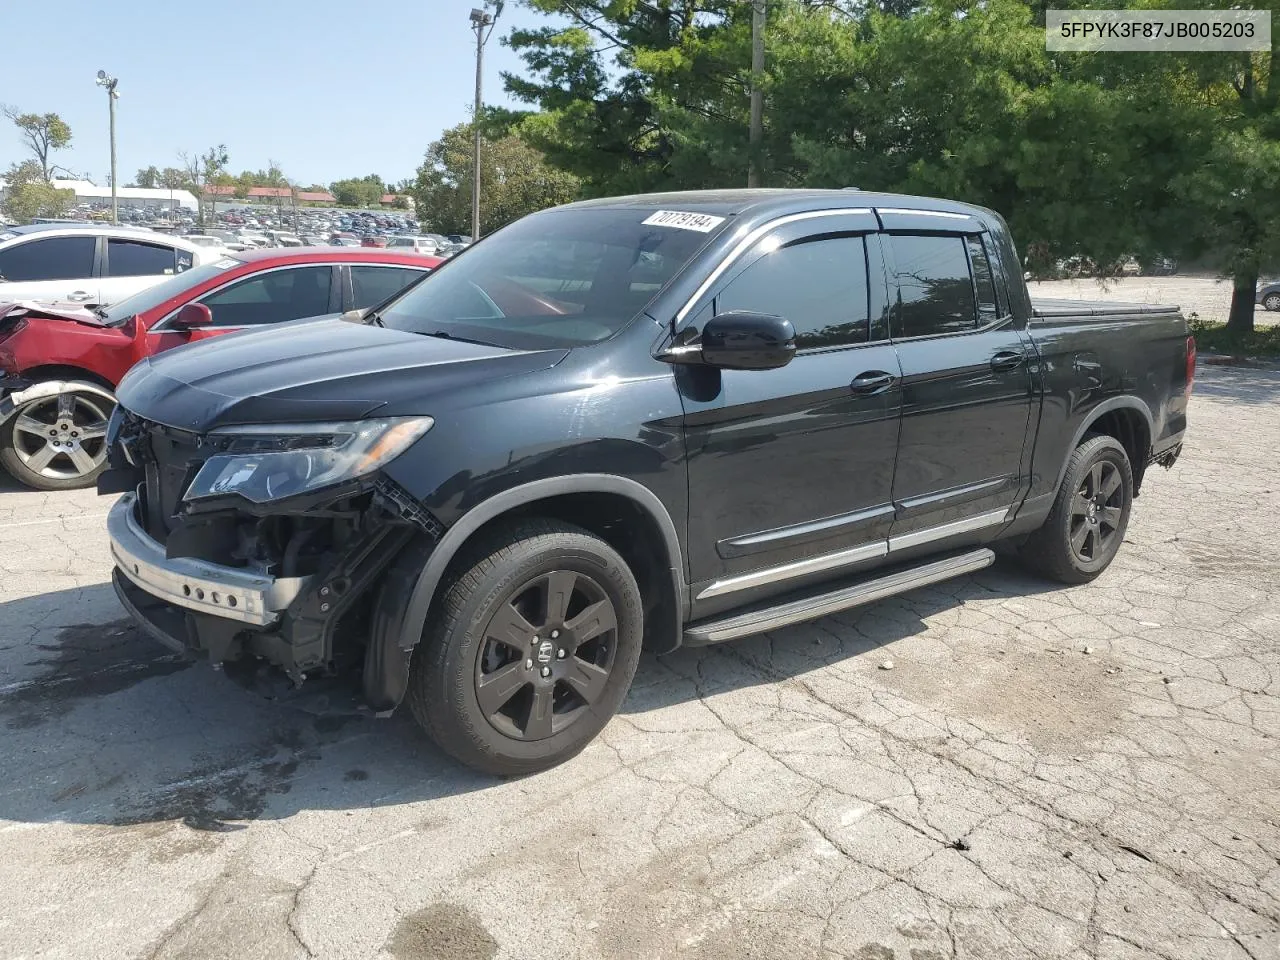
{"x":742,"y":340}
{"x":193,"y":315}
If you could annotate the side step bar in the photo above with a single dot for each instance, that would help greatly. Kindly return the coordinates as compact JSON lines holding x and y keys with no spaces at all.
{"x":810,"y":608}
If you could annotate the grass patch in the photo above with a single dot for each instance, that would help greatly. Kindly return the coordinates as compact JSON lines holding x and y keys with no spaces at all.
{"x":1215,"y":338}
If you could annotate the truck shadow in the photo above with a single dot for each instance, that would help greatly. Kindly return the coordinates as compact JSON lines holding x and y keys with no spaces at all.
{"x":104,"y":727}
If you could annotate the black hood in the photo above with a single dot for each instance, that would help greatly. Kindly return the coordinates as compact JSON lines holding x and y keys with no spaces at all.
{"x":312,"y":371}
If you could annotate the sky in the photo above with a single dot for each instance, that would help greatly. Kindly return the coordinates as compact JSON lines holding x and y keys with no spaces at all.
{"x":329,"y":88}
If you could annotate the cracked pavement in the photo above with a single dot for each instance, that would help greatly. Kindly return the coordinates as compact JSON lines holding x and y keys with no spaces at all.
{"x":1046,"y":772}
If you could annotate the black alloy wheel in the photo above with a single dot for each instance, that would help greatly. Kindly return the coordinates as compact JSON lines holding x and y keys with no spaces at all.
{"x":547,"y":655}
{"x":530,"y":648}
{"x":1096,"y":512}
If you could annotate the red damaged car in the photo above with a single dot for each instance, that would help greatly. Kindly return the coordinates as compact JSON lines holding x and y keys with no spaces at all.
{"x":59,"y":363}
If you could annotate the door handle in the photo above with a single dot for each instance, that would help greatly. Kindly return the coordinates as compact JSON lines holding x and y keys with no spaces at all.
{"x":1006,"y":360}
{"x":79,"y":296}
{"x":872,"y":382}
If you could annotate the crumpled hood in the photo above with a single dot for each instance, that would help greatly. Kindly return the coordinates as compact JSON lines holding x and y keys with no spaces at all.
{"x":312,"y":371}
{"x":49,"y":311}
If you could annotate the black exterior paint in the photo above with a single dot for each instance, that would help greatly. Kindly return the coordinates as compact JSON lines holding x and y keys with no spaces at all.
{"x":750,"y":469}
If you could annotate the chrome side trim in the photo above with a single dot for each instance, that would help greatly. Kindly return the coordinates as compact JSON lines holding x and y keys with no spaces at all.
{"x":811,"y":608}
{"x":779,"y":535}
{"x":745,"y":244}
{"x":800,"y":568}
{"x":941,"y":532}
{"x":926,"y":213}
{"x":228,"y":592}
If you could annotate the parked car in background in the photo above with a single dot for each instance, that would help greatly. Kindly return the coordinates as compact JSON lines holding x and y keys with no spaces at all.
{"x":1268,"y":294}
{"x":373,"y":241}
{"x":90,"y":264}
{"x":205,"y":240}
{"x":427,"y":245}
{"x":645,"y":421}
{"x":60,"y":363}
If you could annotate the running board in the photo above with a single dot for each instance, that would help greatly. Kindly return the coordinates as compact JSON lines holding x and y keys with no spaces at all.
{"x":810,"y":608}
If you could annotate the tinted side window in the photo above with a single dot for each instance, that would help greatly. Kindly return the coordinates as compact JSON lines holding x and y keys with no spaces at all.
{"x":984,"y":281}
{"x":272,"y":297}
{"x":129,"y":258}
{"x":819,"y":285}
{"x":371,"y":285}
{"x":53,"y":258}
{"x":935,"y":285}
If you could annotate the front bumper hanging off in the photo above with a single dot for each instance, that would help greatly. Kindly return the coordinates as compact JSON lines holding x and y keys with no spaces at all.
{"x":233,"y":593}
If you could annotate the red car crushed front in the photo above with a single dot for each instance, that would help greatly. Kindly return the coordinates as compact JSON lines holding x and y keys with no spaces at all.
{"x":59,"y":363}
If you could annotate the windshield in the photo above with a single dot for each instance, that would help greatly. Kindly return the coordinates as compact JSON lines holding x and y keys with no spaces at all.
{"x":140,"y":302}
{"x":562,"y":278}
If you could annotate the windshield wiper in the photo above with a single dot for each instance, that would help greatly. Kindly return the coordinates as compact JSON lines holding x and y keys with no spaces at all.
{"x":375,"y":318}
{"x":446,"y":335}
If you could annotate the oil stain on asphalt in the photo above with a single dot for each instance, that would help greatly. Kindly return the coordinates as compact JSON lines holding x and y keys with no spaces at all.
{"x":85,"y":660}
{"x":440,"y":931}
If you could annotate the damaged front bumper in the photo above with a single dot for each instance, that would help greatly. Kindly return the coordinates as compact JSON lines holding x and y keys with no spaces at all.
{"x":238,"y":594}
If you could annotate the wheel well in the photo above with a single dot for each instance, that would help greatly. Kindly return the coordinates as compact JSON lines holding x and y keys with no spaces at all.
{"x":57,"y":372}
{"x":629,"y":529}
{"x":1129,"y":427}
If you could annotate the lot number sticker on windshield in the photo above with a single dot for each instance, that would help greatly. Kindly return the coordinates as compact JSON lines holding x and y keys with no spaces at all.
{"x":702,"y":222}
{"x":225,"y":262}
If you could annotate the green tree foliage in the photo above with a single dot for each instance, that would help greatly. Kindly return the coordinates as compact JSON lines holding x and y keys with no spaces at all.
{"x":43,"y":134}
{"x":359,"y":191}
{"x":30,"y":195}
{"x":1099,"y":155}
{"x":515,"y":180}
{"x":202,"y":170}
{"x":147,"y":177}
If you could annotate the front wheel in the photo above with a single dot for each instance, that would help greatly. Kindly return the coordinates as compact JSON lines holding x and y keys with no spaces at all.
{"x":531,"y":650}
{"x":58,"y":442}
{"x":1089,"y":517}
{"x":1271,"y":301}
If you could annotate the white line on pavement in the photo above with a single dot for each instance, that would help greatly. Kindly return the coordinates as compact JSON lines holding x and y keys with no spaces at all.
{"x":32,"y":523}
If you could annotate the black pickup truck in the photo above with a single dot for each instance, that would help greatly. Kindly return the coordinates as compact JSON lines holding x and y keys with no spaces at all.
{"x":645,"y":421}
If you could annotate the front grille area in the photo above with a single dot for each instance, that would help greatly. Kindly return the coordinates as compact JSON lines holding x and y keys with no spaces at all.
{"x":176,"y":457}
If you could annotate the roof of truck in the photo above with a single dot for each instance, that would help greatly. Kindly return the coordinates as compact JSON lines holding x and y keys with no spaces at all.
{"x":779,"y":201}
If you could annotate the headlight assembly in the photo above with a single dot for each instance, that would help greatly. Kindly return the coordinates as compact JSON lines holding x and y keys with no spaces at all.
{"x":272,"y":461}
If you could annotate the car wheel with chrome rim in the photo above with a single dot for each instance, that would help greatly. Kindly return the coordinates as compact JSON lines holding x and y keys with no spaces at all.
{"x":57,"y":442}
{"x":530,"y":650}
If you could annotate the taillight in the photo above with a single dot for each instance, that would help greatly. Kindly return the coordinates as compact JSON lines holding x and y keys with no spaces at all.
{"x":1191,"y":363}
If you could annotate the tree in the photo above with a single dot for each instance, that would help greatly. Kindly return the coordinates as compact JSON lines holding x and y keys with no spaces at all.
{"x":359,"y":192}
{"x":29,"y":195}
{"x":515,"y":180}
{"x":203,"y":170}
{"x":148,"y":177}
{"x":43,"y":133}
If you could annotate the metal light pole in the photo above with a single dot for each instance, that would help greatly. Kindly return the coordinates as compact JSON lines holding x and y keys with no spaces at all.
{"x":757,"y":95}
{"x":112,"y":96}
{"x":482,"y":23}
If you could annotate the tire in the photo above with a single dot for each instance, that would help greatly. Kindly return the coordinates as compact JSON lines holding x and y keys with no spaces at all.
{"x":73,"y":422}
{"x":1271,"y":301}
{"x":1086,"y":526}
{"x":483,"y":700}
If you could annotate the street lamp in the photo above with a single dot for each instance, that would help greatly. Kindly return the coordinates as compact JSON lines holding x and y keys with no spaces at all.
{"x":109,"y":83}
{"x":482,"y":22}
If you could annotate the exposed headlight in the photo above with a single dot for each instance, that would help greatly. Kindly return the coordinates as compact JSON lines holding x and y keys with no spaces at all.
{"x":273,"y":461}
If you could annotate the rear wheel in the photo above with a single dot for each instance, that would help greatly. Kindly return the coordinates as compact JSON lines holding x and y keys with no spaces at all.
{"x":532,"y":650}
{"x":1271,"y":301}
{"x":58,"y":442}
{"x":1089,"y":517}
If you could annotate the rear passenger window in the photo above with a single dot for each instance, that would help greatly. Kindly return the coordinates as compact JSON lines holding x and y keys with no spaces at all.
{"x":128,"y":258}
{"x":819,"y":285}
{"x":372,"y":285}
{"x":935,"y":285}
{"x":983,"y":281}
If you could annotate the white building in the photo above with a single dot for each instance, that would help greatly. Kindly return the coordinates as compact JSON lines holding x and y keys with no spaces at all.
{"x":95,"y":195}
